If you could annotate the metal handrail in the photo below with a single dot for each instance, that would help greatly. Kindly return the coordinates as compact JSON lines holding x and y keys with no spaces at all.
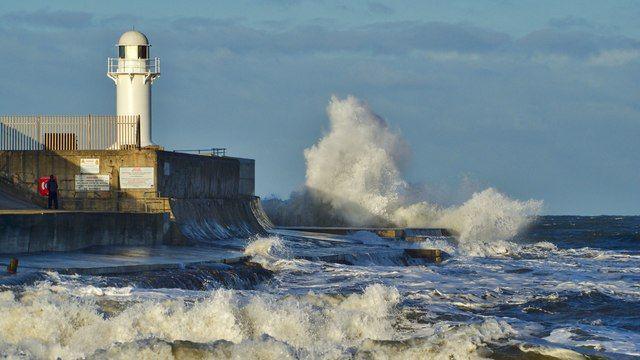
{"x":211,"y":152}
{"x":133,"y":66}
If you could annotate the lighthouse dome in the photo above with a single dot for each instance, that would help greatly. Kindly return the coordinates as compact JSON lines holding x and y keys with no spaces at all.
{"x":133,"y":38}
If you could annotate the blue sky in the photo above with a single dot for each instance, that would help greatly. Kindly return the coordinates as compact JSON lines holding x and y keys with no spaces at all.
{"x":537,"y":98}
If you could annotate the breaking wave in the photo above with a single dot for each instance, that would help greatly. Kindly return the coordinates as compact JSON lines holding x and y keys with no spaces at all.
{"x":270,"y":252}
{"x":45,"y":322}
{"x":355,"y":174}
{"x":266,"y":247}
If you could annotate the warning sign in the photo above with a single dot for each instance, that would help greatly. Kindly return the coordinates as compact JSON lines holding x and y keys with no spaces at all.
{"x":87,"y":182}
{"x":90,"y":166}
{"x":136,"y":178}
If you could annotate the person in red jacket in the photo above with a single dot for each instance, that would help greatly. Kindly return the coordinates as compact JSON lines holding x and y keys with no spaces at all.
{"x":52,"y":185}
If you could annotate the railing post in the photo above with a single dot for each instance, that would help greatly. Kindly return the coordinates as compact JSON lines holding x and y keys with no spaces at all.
{"x":138,"y":132}
{"x":39,"y":130}
{"x":89,"y":132}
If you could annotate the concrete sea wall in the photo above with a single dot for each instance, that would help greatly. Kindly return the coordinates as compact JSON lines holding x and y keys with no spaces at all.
{"x":187,"y":176}
{"x":204,"y":220}
{"x":199,"y":199}
{"x":29,"y":231}
{"x":175,"y":176}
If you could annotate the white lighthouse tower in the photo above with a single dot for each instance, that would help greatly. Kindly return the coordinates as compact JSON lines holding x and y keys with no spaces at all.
{"x":133,"y":73}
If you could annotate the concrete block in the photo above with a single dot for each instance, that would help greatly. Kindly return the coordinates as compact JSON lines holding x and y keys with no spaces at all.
{"x":434,"y":255}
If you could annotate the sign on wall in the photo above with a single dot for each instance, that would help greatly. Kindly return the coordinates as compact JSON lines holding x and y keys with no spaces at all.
{"x":86,"y":182}
{"x":89,"y":166}
{"x":136,"y":178}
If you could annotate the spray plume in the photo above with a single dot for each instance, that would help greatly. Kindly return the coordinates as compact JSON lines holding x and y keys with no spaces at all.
{"x":354,"y":174}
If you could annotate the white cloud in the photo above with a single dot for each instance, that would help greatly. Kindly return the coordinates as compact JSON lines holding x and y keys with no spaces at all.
{"x":452,"y":56}
{"x":615,"y":57}
{"x":552,"y":60}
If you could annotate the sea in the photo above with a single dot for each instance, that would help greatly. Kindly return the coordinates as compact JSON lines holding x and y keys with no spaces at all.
{"x":567,"y":287}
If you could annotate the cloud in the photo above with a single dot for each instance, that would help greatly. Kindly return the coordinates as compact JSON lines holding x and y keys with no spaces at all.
{"x":379,"y":38}
{"x":432,"y":41}
{"x":49,"y":19}
{"x":120,"y":20}
{"x":286,"y":2}
{"x":453,"y":56}
{"x":379,"y":8}
{"x":577,"y":44}
{"x":616,"y":57}
{"x":446,"y":41}
{"x":571,"y":22}
{"x":437,"y":40}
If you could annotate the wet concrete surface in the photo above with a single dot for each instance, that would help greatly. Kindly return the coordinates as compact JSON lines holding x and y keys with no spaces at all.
{"x":124,"y":259}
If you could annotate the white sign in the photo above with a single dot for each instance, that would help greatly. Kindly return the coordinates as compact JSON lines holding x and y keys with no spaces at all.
{"x":167,"y":169}
{"x":92,"y":182}
{"x":136,"y":178}
{"x":89,"y":166}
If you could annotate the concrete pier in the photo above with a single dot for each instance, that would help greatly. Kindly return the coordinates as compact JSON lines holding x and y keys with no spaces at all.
{"x":120,"y":197}
{"x":109,"y":184}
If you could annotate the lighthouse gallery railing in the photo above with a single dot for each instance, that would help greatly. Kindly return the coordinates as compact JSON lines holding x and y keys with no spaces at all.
{"x":133,"y":66}
{"x":66,"y":132}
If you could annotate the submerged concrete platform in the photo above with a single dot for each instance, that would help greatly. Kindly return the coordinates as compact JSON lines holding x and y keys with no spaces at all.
{"x":121,"y":259}
{"x":342,"y":247}
{"x":409,"y":234}
{"x":104,"y":260}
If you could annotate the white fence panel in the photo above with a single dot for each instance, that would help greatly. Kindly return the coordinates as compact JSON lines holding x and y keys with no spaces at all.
{"x":65,"y":132}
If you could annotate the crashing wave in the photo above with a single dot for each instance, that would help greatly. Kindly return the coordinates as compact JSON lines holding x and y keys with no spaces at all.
{"x":45,"y":323}
{"x":355,"y":174}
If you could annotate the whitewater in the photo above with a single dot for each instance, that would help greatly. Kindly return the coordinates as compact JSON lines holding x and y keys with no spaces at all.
{"x":514,"y":284}
{"x":545,"y":298}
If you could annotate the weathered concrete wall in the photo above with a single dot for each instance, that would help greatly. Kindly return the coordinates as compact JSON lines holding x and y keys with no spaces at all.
{"x":21,"y":169}
{"x":188,"y":176}
{"x":177,"y":176}
{"x":205,"y":198}
{"x":247,"y":181}
{"x":30,"y":231}
{"x":10,"y":199}
{"x":205,"y":220}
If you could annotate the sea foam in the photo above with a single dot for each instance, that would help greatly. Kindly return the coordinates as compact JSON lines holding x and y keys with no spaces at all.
{"x":44,"y":323}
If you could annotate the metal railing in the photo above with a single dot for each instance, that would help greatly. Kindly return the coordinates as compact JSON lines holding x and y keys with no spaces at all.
{"x":65,"y":132}
{"x":133,"y":66}
{"x":209,"y":152}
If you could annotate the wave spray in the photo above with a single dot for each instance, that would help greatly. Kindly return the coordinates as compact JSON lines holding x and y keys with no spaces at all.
{"x":357,"y":169}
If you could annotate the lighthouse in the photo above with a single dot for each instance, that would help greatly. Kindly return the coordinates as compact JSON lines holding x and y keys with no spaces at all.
{"x":133,"y":72}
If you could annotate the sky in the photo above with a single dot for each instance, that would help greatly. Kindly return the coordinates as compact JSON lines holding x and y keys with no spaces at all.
{"x":538,"y":99}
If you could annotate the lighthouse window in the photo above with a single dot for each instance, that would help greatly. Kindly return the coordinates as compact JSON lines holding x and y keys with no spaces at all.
{"x":121,"y":52}
{"x":142,"y":52}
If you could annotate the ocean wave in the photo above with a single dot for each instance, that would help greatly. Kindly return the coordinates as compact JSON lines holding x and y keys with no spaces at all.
{"x":271,"y":253}
{"x":43,"y":323}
